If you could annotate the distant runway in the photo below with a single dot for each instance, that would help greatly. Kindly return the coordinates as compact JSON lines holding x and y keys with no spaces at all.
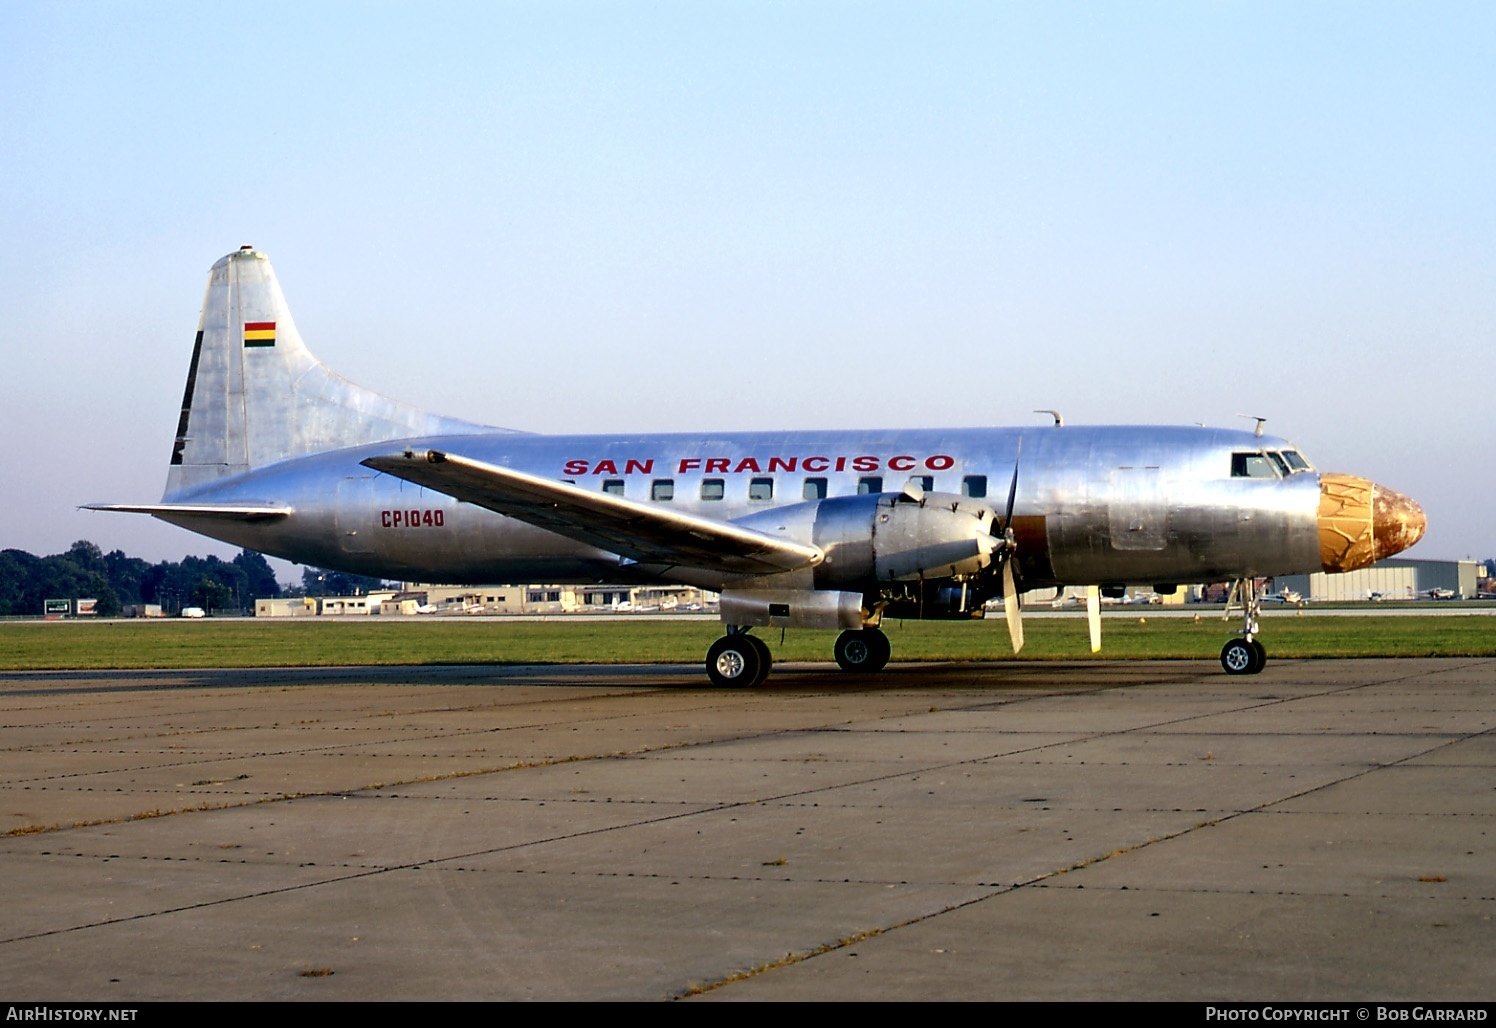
{"x":1034,"y":831}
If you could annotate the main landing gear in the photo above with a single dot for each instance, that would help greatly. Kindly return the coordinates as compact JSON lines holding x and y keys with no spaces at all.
{"x":742,"y":660}
{"x":1245,"y":656}
{"x":865,"y":650}
{"x":738,"y":659}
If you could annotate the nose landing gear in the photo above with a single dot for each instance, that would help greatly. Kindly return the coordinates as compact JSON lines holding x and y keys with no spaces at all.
{"x":1245,"y":656}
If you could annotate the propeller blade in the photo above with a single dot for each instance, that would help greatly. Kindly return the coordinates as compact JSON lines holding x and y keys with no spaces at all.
{"x":1011,"y":607}
{"x":1011,"y":603}
{"x":1013,"y":490}
{"x":1093,"y":616}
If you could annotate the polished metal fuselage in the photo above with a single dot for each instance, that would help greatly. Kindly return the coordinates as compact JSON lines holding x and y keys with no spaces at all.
{"x":1093,"y":505}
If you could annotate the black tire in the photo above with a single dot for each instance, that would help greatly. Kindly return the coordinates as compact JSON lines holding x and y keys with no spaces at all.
{"x":1261,"y":652}
{"x":1239,"y":657}
{"x":737,"y":661}
{"x":765,"y":657}
{"x":866,"y":651}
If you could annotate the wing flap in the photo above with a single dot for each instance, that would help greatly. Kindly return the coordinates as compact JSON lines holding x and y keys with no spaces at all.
{"x":641,"y":533}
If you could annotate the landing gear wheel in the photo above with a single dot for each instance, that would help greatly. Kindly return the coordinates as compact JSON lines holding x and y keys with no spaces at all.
{"x":866,"y":650}
{"x":766,"y":659}
{"x":1241,"y":657}
{"x":1261,"y":652}
{"x":738,"y":660}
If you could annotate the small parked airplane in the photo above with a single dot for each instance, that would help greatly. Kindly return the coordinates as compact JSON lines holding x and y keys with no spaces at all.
{"x":817,"y":529}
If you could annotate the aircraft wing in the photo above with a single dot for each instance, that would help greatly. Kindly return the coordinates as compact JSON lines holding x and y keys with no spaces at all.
{"x":645,"y":534}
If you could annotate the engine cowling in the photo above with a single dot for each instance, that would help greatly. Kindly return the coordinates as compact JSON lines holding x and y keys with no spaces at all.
{"x":871,"y":541}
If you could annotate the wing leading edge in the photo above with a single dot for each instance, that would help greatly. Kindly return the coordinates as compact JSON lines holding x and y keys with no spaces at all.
{"x":643,"y":534}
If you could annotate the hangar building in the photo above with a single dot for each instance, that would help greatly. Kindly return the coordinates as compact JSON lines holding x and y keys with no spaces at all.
{"x":1392,"y":579}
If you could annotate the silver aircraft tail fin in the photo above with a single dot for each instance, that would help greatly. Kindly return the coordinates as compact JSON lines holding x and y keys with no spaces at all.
{"x":256,"y":395}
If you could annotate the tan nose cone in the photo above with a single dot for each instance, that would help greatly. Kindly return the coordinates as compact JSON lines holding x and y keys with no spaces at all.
{"x":1361,"y":522}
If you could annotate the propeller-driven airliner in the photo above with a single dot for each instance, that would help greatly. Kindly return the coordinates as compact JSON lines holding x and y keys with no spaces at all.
{"x":800,"y":529}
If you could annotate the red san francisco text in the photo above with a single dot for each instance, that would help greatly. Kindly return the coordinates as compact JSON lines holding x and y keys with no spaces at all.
{"x":862,"y":464}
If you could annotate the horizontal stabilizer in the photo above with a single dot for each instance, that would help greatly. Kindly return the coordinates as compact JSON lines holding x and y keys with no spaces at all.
{"x":645,"y":534}
{"x":222,"y":511}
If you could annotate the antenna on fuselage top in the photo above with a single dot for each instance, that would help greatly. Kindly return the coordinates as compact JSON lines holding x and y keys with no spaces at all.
{"x":1253,"y":417}
{"x":1059,"y":419}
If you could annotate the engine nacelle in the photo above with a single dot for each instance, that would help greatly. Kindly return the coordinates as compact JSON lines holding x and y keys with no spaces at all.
{"x":792,"y":608}
{"x":871,"y":541}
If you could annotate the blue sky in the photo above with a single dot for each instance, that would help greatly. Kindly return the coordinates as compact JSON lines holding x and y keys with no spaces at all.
{"x":552,"y":215}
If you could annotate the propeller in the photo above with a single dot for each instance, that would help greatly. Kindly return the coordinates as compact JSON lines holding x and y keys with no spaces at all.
{"x":1011,"y":601}
{"x":1093,"y":616}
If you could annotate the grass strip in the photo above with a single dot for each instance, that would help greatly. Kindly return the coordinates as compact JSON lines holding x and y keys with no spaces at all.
{"x":342,"y":642}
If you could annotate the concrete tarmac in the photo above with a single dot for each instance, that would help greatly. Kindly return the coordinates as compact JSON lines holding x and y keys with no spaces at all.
{"x":1006,"y":831}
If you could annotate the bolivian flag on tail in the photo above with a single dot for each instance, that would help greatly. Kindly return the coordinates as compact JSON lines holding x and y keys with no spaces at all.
{"x":259,"y":333}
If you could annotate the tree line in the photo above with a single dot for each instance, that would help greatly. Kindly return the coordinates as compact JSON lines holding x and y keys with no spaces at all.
{"x":117,"y":580}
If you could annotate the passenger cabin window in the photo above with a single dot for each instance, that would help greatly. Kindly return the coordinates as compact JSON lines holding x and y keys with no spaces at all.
{"x":712,"y":489}
{"x":868,"y":484}
{"x":662,"y":489}
{"x":926,"y":482}
{"x":761,"y":489}
{"x":974,"y":486}
{"x":815,"y":489}
{"x":613,"y":486}
{"x":1251,"y":465}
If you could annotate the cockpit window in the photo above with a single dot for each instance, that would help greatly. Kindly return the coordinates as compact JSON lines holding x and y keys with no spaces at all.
{"x":1251,"y":465}
{"x":1296,"y":461}
{"x":1282,"y":464}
